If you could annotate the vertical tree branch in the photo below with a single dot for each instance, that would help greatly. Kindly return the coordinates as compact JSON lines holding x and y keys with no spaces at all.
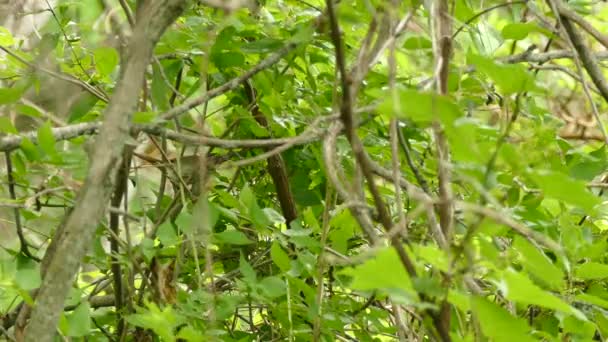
{"x":346,"y":116}
{"x":23,"y":244}
{"x":442,"y":49}
{"x":276,"y":165}
{"x":153,"y":18}
{"x":442,"y":46}
{"x":117,"y":197}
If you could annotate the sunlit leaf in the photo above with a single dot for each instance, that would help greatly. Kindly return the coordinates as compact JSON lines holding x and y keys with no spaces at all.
{"x":517,"y":287}
{"x":563,"y":188}
{"x":232,"y":237}
{"x":592,"y":270}
{"x":498,"y":324}
{"x":383,"y":271}
{"x":106,"y":60}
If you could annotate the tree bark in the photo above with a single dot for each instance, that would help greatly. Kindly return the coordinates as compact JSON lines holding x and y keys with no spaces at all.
{"x":74,"y":238}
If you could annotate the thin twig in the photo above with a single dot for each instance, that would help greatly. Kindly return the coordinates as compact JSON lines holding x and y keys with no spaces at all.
{"x":64,"y":77}
{"x":24,"y":245}
{"x":583,"y":58}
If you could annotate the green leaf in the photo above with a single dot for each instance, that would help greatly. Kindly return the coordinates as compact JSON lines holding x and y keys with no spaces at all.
{"x":510,"y":79}
{"x":256,"y":214}
{"x":166,"y":234}
{"x":579,"y":330}
{"x":603,"y":303}
{"x":190,"y":334}
{"x":29,"y":149}
{"x":433,"y":255}
{"x":517,"y":287}
{"x":592,"y":270}
{"x":246,"y":270}
{"x":420,"y":107}
{"x":311,"y":220}
{"x":143,"y":117}
{"x":80,"y":320}
{"x":46,"y":139}
{"x":6,"y":38}
{"x":6,"y":126}
{"x":10,"y":95}
{"x":561,"y":187}
{"x":273,"y":286}
{"x":518,"y":31}
{"x":498,"y":324}
{"x":161,"y":322}
{"x":232,"y":237}
{"x":280,"y":257}
{"x":28,"y":278}
{"x":383,"y":271}
{"x":263,"y":45}
{"x":106,"y":60}
{"x":230,"y":59}
{"x":147,"y":248}
{"x":185,"y":221}
{"x":538,"y":264}
{"x":417,"y":43}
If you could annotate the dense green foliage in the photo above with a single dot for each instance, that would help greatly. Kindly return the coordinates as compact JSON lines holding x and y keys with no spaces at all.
{"x":498,"y":206}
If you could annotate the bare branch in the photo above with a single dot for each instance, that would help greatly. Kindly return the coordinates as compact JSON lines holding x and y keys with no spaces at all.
{"x":566,"y":12}
{"x":547,"y":56}
{"x":12,"y":142}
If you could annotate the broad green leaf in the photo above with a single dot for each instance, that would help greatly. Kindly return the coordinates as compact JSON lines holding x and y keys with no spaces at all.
{"x":185,"y":221}
{"x":147,"y":248}
{"x":28,"y":110}
{"x":579,"y":330}
{"x":417,"y":43}
{"x":6,"y":126}
{"x":166,"y":234}
{"x":256,"y":214}
{"x":280,"y":257}
{"x":90,"y":10}
{"x":304,"y":34}
{"x":498,"y":324}
{"x":246,"y":270}
{"x":561,"y":187}
{"x":6,"y":38}
{"x":311,"y":220}
{"x":603,"y":303}
{"x":106,"y":60}
{"x":510,"y":78}
{"x":46,"y":139}
{"x":80,"y":320}
{"x":518,"y":31}
{"x":460,"y":300}
{"x":29,"y":149}
{"x":161,"y":321}
{"x":273,"y":286}
{"x":232,"y":237}
{"x":83,"y":108}
{"x":592,"y":270}
{"x":383,"y":271}
{"x":28,"y":278}
{"x":263,"y":45}
{"x":421,"y":107}
{"x":143,"y":117}
{"x":517,"y":287}
{"x":538,"y":264}
{"x":10,"y":95}
{"x":189,"y":334}
{"x":228,"y":59}
{"x":433,"y":255}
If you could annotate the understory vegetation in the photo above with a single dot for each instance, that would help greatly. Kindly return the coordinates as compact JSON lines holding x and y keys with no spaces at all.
{"x":303,"y":170}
